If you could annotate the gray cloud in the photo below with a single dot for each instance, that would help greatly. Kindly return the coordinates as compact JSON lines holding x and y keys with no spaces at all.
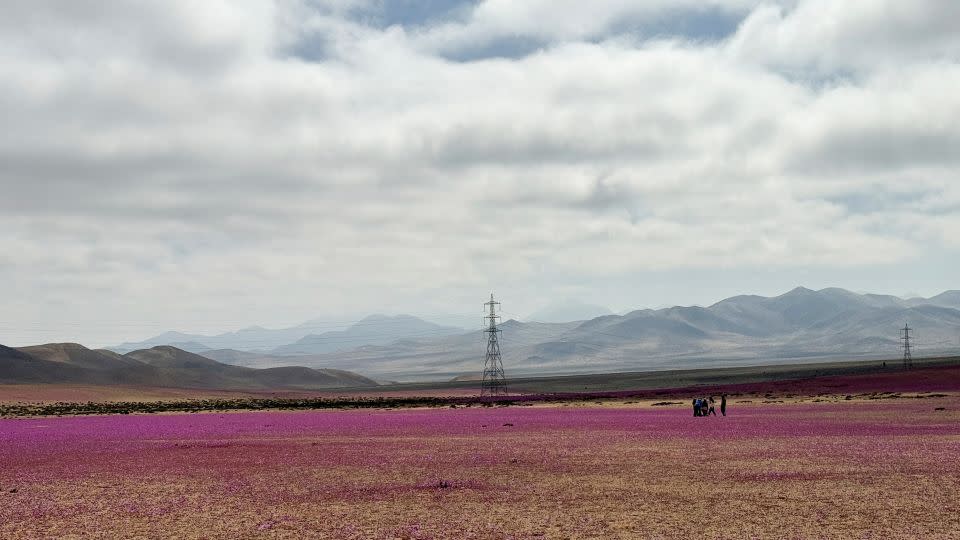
{"x":202,"y":168}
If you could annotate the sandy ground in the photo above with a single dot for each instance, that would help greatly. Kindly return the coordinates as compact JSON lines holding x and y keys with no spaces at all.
{"x":815,"y":467}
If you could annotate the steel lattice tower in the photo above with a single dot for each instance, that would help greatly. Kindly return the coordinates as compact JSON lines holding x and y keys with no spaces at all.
{"x":905,"y":338}
{"x":494,"y":381}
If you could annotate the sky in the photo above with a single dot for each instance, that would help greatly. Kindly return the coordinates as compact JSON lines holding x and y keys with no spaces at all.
{"x":207,"y":166}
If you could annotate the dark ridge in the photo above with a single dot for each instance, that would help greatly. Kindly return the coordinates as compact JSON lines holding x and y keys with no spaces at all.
{"x":161,"y":366}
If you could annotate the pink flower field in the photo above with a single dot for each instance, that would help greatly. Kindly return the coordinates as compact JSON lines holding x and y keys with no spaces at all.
{"x":858,"y":469}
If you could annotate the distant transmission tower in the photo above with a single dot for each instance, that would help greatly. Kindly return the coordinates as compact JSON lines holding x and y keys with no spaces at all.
{"x":905,"y":338}
{"x":494,"y":381}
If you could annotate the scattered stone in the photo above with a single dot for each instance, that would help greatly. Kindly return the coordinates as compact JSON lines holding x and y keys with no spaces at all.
{"x":508,"y":425}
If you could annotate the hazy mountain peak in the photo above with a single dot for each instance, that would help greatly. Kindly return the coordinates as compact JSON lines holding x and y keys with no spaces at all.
{"x":798,"y":291}
{"x":253,"y":328}
{"x":377,"y":329}
{"x":839,"y":291}
{"x":949,"y":298}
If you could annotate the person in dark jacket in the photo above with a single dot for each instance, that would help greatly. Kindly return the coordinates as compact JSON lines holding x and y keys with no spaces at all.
{"x":696,"y":407}
{"x":711,"y":410}
{"x":723,"y":404}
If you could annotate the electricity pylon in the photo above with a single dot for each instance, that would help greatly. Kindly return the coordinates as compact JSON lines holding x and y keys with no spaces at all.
{"x":494,"y":381}
{"x":907,"y":355}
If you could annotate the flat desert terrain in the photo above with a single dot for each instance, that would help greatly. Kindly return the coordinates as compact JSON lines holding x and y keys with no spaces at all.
{"x":931,"y":374}
{"x":775,"y":467}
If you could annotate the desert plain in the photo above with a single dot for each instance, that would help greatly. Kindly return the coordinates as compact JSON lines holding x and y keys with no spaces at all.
{"x":838,"y":458}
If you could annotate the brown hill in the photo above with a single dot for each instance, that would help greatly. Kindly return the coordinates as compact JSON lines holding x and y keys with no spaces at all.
{"x":161,"y":367}
{"x":168,"y":357}
{"x":194,"y":370}
{"x":17,"y":366}
{"x":78,"y":355}
{"x":307,"y":377}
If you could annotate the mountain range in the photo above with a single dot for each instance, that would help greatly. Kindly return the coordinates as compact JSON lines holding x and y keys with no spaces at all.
{"x":303,"y":339}
{"x":800,"y":325}
{"x":160,"y":366}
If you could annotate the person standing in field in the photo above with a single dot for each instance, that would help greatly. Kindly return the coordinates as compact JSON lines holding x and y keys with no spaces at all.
{"x":712,"y":410}
{"x":723,"y":404}
{"x":696,"y":407}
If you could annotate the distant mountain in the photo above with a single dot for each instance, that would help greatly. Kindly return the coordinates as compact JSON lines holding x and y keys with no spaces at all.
{"x":161,"y":366}
{"x":252,"y":338}
{"x":192,"y":370}
{"x":190,"y":346}
{"x":800,"y":325}
{"x":166,"y":338}
{"x":373,"y":330}
{"x":950,"y":299}
{"x":240,"y":358}
{"x":566,"y":311}
{"x":408,"y":359}
{"x":321,"y":336}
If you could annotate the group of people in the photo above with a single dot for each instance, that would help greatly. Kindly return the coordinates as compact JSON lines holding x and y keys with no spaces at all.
{"x":705,"y":406}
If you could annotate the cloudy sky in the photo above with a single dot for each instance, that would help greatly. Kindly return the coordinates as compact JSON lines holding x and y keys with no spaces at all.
{"x":206,"y":166}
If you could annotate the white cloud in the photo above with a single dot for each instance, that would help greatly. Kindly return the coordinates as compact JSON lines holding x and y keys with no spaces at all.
{"x":823,"y":37}
{"x":179,"y":166}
